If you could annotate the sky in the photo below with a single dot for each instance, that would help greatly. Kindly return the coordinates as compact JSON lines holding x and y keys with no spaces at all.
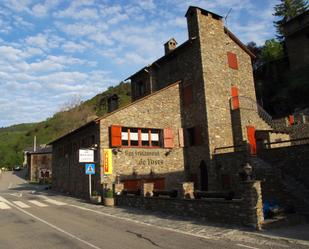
{"x":53,"y":51}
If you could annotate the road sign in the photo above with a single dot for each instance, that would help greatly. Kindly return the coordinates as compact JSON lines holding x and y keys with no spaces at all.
{"x":90,"y":168}
{"x":86,"y":156}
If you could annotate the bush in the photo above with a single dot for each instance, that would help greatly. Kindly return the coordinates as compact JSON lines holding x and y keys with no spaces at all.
{"x":109,"y":194}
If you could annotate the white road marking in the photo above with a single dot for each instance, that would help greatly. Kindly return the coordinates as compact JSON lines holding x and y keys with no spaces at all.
{"x":21,"y":204}
{"x":55,"y":227}
{"x":10,"y":185}
{"x":37,"y":203}
{"x":58,"y":203}
{"x":245,"y":246}
{"x":4,"y":200}
{"x":4,"y":205}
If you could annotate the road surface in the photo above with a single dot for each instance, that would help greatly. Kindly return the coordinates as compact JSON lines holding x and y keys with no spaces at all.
{"x":30,"y":218}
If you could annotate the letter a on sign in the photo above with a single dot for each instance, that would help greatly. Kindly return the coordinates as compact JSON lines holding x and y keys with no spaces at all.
{"x":107,"y":162}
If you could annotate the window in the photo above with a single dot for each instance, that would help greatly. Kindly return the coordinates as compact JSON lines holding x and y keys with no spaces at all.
{"x":140,"y":137}
{"x":193,"y":136}
{"x":232,"y":60}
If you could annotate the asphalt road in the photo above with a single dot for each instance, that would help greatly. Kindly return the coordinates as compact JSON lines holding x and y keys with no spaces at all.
{"x":31,"y":220}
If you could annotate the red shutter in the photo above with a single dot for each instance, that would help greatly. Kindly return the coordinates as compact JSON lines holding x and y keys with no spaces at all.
{"x":251,"y":139}
{"x":181,"y":138}
{"x":187,"y":95}
{"x":235,"y":99}
{"x":232,"y":60}
{"x":115,"y":136}
{"x":291,"y":119}
{"x":198,"y":135}
{"x":168,"y":138}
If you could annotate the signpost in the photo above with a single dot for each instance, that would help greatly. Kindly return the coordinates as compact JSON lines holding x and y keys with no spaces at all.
{"x":87,"y":156}
{"x":90,"y":170}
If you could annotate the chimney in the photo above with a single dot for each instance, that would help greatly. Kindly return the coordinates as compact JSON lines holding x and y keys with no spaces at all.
{"x":198,"y":18}
{"x":112,"y":103}
{"x":170,"y":46}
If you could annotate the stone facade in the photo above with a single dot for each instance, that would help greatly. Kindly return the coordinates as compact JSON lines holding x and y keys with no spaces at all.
{"x":68,"y":174}
{"x":188,"y":93}
{"x":142,"y":163}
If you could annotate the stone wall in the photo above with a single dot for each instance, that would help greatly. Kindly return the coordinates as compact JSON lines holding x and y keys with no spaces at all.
{"x":68,"y":174}
{"x":291,"y":160}
{"x":245,"y":211}
{"x":160,"y":110}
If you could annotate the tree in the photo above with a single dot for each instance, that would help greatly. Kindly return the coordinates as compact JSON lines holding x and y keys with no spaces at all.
{"x":286,"y":10}
{"x":272,"y":50}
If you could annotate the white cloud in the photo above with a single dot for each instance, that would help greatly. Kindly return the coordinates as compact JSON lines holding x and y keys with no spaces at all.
{"x":18,"y":5}
{"x":81,"y":29}
{"x":44,"y":41}
{"x":71,"y":47}
{"x":42,"y":9}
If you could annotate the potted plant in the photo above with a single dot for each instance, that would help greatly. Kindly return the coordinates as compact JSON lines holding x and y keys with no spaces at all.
{"x":95,"y":197}
{"x":109,"y":198}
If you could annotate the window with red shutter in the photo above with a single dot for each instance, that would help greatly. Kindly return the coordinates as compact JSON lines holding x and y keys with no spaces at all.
{"x":251,"y":139}
{"x":291,"y":119}
{"x":168,"y":138}
{"x":115,"y":136}
{"x":187,"y":95}
{"x":232,"y":60}
{"x":235,"y":99}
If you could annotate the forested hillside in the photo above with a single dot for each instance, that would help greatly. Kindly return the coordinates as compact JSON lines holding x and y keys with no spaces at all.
{"x":14,"y":139}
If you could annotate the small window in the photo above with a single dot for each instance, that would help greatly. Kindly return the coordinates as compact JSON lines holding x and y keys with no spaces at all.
{"x":155,"y":137}
{"x":145,"y":137}
{"x":125,"y":136}
{"x":193,"y":136}
{"x":134,"y":137}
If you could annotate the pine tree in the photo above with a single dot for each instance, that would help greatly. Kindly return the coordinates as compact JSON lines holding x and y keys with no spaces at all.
{"x":288,"y":9}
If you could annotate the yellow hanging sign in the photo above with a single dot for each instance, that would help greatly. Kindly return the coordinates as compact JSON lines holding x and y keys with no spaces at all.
{"x":107,"y":162}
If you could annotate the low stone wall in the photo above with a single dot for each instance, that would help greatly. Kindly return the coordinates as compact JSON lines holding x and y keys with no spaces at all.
{"x":245,"y":211}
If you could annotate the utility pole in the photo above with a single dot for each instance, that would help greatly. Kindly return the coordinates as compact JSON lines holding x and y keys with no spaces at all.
{"x":34,"y":144}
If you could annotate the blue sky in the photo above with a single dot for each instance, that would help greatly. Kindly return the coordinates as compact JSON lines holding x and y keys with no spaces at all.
{"x":53,"y":51}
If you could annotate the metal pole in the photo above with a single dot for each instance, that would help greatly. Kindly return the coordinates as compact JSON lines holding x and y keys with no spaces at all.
{"x":90,"y":185}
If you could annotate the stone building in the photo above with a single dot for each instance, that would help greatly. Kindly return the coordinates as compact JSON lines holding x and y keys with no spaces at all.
{"x":39,"y":163}
{"x":197,"y":99}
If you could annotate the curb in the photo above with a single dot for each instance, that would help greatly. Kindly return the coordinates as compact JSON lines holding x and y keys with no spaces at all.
{"x":278,"y":238}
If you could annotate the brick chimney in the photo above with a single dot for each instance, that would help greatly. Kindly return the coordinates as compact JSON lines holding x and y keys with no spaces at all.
{"x":170,"y":45}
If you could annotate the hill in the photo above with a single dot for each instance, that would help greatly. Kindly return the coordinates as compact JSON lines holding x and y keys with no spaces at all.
{"x":14,"y":139}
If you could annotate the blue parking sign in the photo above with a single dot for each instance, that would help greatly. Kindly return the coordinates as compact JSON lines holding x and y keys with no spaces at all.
{"x":90,"y":168}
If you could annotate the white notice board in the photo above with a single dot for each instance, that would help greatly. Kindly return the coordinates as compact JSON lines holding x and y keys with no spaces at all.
{"x":86,"y":156}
